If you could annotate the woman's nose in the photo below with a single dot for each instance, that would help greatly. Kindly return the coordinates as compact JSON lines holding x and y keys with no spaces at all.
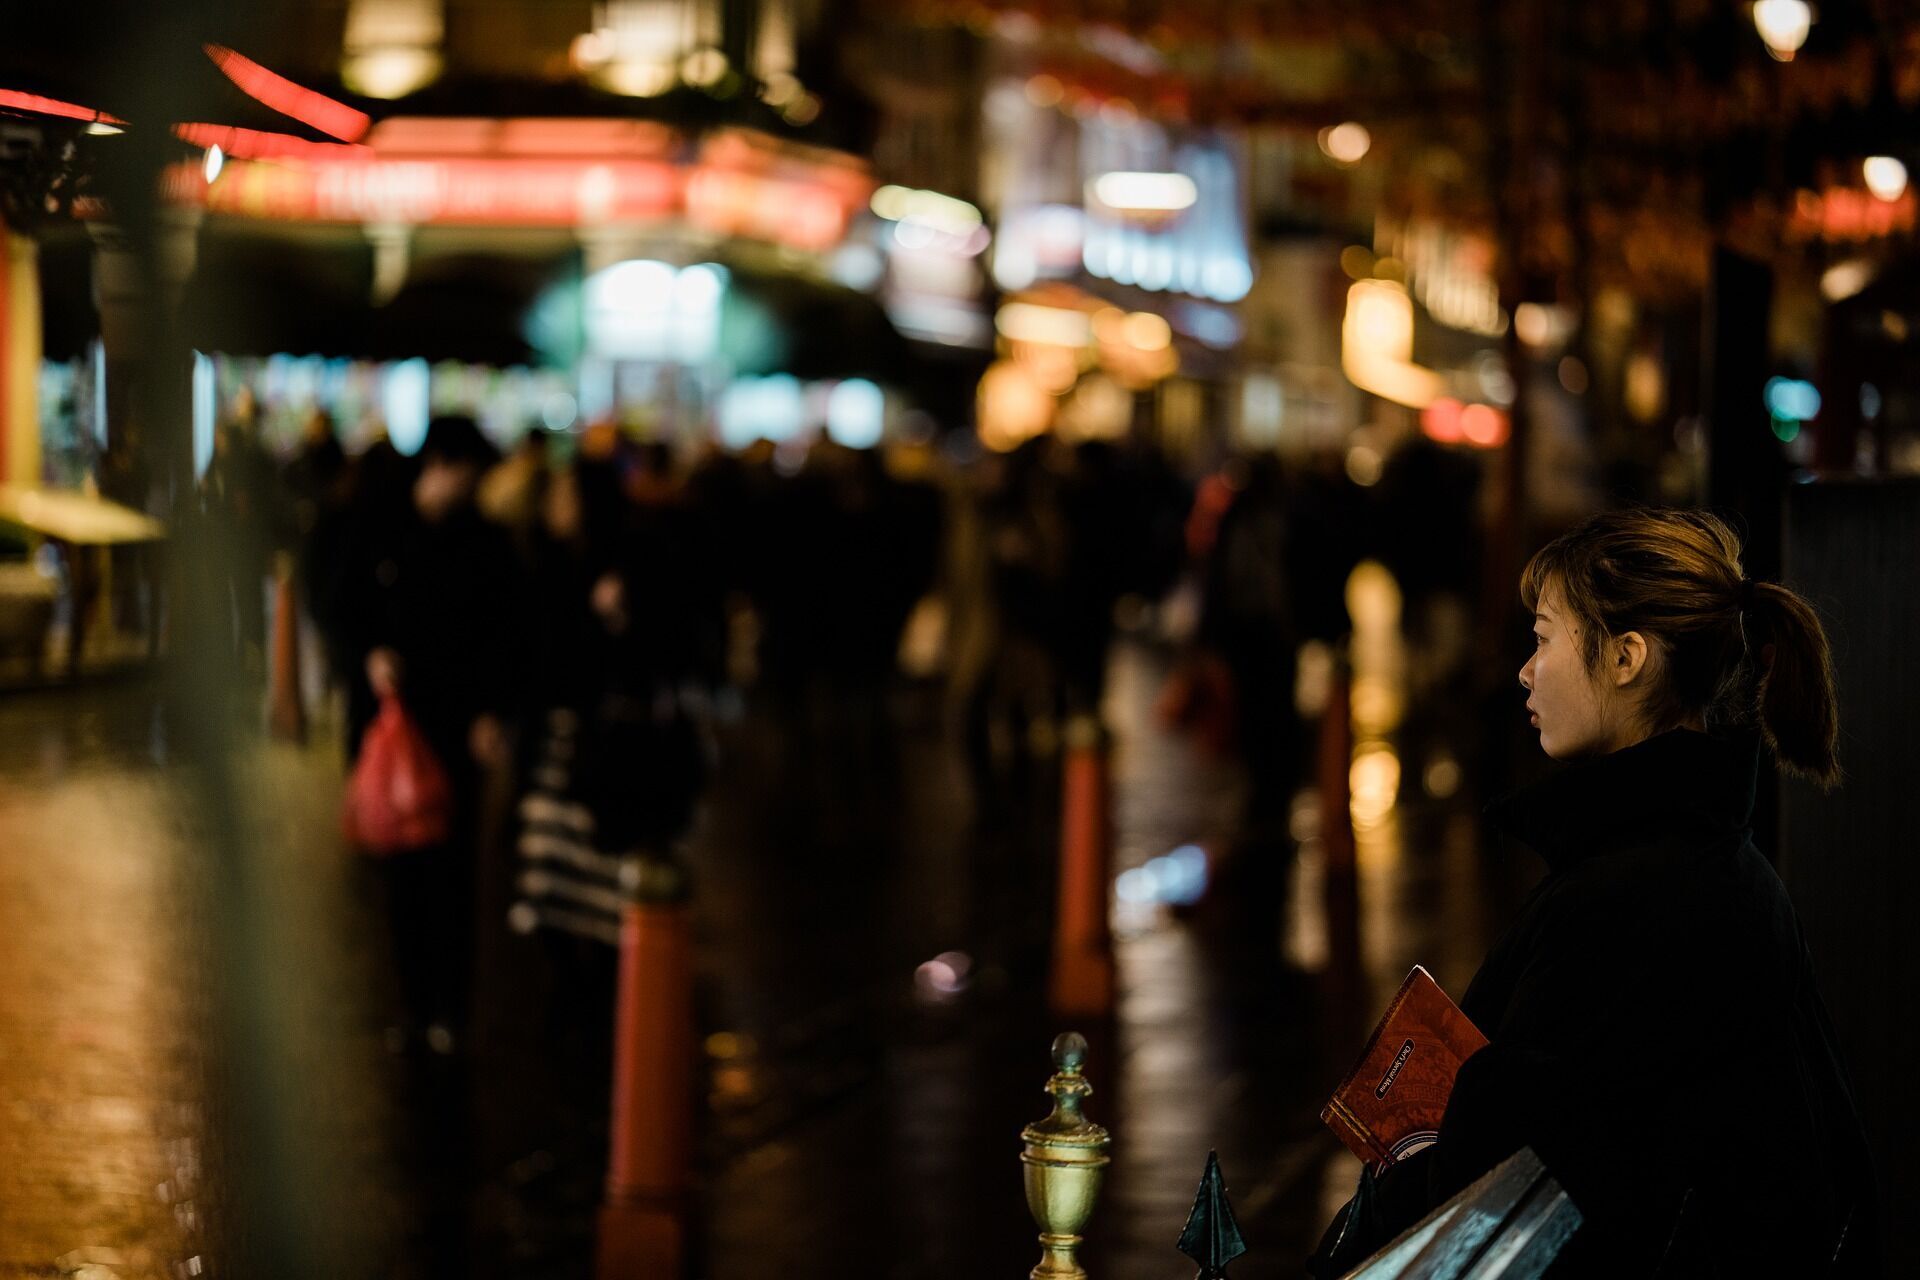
{"x":1526,"y":675}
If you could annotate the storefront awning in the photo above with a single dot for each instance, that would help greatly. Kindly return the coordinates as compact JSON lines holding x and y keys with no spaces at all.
{"x":261,"y":294}
{"x":469,"y":307}
{"x":256,"y":295}
{"x":820,"y":330}
{"x":83,"y":519}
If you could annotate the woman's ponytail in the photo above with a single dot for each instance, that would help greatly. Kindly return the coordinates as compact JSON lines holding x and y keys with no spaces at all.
{"x":1798,"y":709}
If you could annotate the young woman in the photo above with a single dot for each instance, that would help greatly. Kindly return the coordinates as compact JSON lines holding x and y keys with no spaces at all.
{"x":1656,"y":1033}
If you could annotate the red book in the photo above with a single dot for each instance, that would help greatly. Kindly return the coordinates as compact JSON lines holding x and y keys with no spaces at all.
{"x":1390,"y":1104}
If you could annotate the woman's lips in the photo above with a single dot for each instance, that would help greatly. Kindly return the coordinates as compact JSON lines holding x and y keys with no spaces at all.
{"x":1534,"y":719}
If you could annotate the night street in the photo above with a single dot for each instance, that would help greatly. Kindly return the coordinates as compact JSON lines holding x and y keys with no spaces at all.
{"x":850,"y":1106}
{"x":719,"y":639}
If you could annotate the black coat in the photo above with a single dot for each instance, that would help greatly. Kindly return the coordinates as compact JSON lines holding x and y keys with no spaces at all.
{"x":1657,"y":1036}
{"x":449,"y":599}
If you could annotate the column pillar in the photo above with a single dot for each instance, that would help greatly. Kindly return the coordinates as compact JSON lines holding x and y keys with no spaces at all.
{"x":20,"y":351}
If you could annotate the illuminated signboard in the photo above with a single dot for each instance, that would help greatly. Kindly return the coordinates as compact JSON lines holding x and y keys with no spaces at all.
{"x":730,"y":188}
{"x":1115,"y":195}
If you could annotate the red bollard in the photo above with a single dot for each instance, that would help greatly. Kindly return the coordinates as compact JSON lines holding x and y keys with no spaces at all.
{"x":286,"y":712}
{"x":643,"y":1219}
{"x":1082,"y":982}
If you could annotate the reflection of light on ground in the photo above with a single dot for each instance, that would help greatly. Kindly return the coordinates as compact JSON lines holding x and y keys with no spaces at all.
{"x":1379,"y":681}
{"x":1307,"y":944}
{"x":1374,"y":781}
{"x":1303,"y":823}
{"x":1379,"y":660}
{"x":734,"y":1085}
{"x":730,"y":1044}
{"x":1373,"y":599}
{"x":943,"y":977}
{"x":736,"y":1079}
{"x":1376,"y":705}
{"x":1442,"y":778}
{"x":1314,"y":679}
{"x":1177,"y":879}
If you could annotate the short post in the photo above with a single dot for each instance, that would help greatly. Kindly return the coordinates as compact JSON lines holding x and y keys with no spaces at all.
{"x":286,"y":713}
{"x":643,"y":1219}
{"x":1340,"y":885}
{"x":1082,"y":979}
{"x":1063,"y":1163}
{"x":1335,"y":772}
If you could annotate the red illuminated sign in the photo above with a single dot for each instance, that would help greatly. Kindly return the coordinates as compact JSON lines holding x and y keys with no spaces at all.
{"x":297,"y":102}
{"x":733,"y":188}
{"x":261,"y":144}
{"x":15,"y":100}
{"x":555,"y":193}
{"x":805,"y":215}
{"x":1842,"y":213}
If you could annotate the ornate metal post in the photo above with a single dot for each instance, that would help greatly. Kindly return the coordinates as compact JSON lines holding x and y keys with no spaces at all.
{"x":1064,"y":1163}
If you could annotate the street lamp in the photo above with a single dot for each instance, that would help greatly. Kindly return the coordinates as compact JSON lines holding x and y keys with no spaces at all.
{"x":1783,"y":25}
{"x":1346,"y":144}
{"x":1886,"y":177}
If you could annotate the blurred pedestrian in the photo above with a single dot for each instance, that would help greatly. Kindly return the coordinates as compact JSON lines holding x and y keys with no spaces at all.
{"x":615,"y":761}
{"x":428,"y":609}
{"x":1429,"y":537}
{"x":315,"y":478}
{"x":1012,"y":698}
{"x":240,"y":494}
{"x":1102,"y":563}
{"x":1247,"y":625}
{"x":510,"y":491}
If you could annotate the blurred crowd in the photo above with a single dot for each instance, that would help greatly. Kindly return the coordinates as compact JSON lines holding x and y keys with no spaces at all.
{"x":574,"y":613}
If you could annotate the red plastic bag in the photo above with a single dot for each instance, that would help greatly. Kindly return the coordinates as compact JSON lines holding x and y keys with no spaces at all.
{"x":1199,"y":697}
{"x":398,"y":797}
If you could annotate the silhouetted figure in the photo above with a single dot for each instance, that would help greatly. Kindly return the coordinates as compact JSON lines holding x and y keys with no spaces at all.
{"x":427,"y":608}
{"x":1012,"y":697}
{"x":1247,"y":623}
{"x":240,"y":494}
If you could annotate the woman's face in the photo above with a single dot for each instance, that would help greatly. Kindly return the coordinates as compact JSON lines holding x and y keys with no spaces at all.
{"x":1576,"y":713}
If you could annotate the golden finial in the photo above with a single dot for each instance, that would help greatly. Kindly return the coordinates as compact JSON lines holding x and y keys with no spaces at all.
{"x":1064,"y":1161}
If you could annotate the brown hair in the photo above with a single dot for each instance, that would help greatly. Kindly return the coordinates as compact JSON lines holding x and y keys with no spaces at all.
{"x":1736,"y":651}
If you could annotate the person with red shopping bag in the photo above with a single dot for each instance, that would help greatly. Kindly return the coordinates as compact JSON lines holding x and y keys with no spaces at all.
{"x":426,"y":607}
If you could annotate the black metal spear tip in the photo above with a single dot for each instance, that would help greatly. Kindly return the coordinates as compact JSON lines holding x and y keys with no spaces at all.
{"x":1212,"y":1237}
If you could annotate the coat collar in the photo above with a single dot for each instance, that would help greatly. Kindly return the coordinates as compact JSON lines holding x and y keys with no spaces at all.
{"x":1679,"y":783}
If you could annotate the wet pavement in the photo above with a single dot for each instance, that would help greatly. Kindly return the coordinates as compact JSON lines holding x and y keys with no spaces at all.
{"x":872,"y":948}
{"x":99,"y":1125}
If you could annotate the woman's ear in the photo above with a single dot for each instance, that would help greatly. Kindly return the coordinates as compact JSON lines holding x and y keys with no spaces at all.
{"x":1627,"y":658}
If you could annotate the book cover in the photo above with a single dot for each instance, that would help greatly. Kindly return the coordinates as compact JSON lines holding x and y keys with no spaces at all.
{"x":1390,"y":1104}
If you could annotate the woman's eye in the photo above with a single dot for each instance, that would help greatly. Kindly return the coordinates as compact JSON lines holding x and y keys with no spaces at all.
{"x":1538,"y":639}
